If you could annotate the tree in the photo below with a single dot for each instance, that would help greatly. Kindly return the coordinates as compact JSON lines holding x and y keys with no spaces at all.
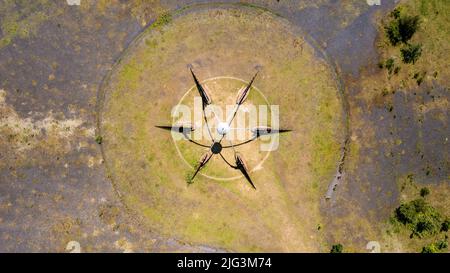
{"x":336,"y":248}
{"x":420,"y":217}
{"x":401,"y":28}
{"x":407,"y":26}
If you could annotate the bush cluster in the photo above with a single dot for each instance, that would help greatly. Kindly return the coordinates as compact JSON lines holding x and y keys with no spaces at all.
{"x":420,"y":217}
{"x":338,"y":248}
{"x":401,"y":28}
{"x":436,"y":247}
{"x":411,"y":53}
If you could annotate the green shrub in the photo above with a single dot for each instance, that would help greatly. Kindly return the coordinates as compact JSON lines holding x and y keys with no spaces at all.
{"x":411,"y":53}
{"x":390,"y":66}
{"x":189,"y":175}
{"x":99,"y":139}
{"x":401,"y":28}
{"x":390,"y":63}
{"x":421,"y":218}
{"x":396,"y":70}
{"x":431,"y":248}
{"x":408,"y":25}
{"x":407,"y":213}
{"x":395,"y":13}
{"x":445,"y":225}
{"x":424,"y":191}
{"x":426,"y":225}
{"x":164,"y":19}
{"x":436,"y":247}
{"x":393,"y":33}
{"x":338,"y":248}
{"x":441,"y":245}
{"x":419,"y":77}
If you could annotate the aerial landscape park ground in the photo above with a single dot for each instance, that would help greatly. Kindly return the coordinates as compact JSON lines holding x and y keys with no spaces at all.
{"x":362,"y":87}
